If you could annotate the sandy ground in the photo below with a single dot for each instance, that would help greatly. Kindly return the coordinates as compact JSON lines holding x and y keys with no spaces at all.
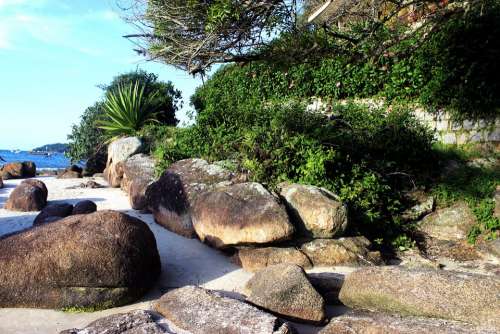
{"x":184,"y":262}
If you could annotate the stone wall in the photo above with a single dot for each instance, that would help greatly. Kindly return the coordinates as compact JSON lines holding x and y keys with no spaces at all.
{"x":460,"y":133}
{"x":446,"y":130}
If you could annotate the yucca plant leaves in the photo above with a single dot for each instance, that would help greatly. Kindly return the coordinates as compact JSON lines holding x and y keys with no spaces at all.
{"x":127,"y":110}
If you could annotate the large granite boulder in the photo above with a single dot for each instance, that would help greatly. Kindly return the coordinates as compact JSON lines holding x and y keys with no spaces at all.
{"x":240,"y":214}
{"x":199,"y":311}
{"x":171,"y":197}
{"x":452,"y":223}
{"x":352,"y":251}
{"x":254,"y":259}
{"x":18,"y":170}
{"x":317,"y":212}
{"x":29,"y":195}
{"x":285,"y":290}
{"x":52,"y":212}
{"x":99,"y":260}
{"x":134,"y":322}
{"x":423,"y":292}
{"x":379,"y":323}
{"x":138,"y":174}
{"x":119,"y":151}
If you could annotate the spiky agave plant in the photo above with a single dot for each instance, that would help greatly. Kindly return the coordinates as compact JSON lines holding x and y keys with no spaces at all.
{"x":127,"y":110}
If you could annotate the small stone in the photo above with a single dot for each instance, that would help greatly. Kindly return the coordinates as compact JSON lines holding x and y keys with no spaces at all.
{"x":84,"y":207}
{"x":52,"y":212}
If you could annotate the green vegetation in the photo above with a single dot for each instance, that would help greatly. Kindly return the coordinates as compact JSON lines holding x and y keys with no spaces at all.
{"x":255,"y":115}
{"x":127,"y":110}
{"x":471,"y":183}
{"x":88,"y":141}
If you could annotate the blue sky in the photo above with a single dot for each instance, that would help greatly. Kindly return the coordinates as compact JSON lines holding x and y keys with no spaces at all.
{"x":53,"y":53}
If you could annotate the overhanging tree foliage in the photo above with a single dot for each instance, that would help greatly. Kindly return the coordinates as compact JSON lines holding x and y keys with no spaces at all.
{"x":193,"y":35}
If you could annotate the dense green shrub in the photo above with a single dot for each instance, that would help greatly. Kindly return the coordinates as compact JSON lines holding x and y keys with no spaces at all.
{"x":86,"y":139}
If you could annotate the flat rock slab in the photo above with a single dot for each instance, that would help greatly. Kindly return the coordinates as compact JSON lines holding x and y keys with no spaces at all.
{"x":255,"y":259}
{"x":199,"y":311}
{"x":379,"y":323}
{"x":134,"y":322}
{"x":240,"y":214}
{"x":284,"y":289}
{"x":441,"y":294}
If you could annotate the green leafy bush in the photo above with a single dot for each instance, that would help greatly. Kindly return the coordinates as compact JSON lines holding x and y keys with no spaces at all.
{"x":86,"y":139}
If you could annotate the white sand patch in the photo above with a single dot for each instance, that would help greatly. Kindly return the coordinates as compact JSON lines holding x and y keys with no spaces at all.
{"x":184,"y":261}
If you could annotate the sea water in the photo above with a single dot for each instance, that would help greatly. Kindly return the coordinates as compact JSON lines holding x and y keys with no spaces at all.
{"x":50,"y":161}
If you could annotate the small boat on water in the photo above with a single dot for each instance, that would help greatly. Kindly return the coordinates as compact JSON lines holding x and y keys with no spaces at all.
{"x":46,"y":154}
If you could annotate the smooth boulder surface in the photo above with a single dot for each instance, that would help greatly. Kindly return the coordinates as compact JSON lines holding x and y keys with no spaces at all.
{"x":134,"y":322}
{"x":138,"y":174}
{"x":284,"y":289}
{"x":84,"y":207}
{"x":423,"y":292}
{"x":240,"y":214}
{"x":53,"y":211}
{"x":119,"y":151}
{"x":18,"y":170}
{"x":317,"y":212}
{"x":199,"y":311}
{"x":378,"y":323}
{"x":99,"y":260}
{"x":451,"y":224}
{"x":171,"y":197}
{"x":254,"y":259}
{"x":352,"y":251}
{"x":29,"y":195}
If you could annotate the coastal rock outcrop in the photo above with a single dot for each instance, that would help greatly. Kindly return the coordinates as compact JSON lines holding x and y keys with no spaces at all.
{"x":240,"y":214}
{"x":352,"y":251}
{"x":101,"y":260}
{"x":18,"y":170}
{"x":317,"y":212}
{"x":254,"y":259}
{"x":84,"y":207}
{"x":134,"y":322}
{"x":119,"y":151}
{"x":53,"y":212}
{"x":29,"y":195}
{"x":285,"y":290}
{"x":458,"y":296}
{"x":138,"y":174}
{"x":199,"y":311}
{"x":379,"y":323}
{"x":171,"y":197}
